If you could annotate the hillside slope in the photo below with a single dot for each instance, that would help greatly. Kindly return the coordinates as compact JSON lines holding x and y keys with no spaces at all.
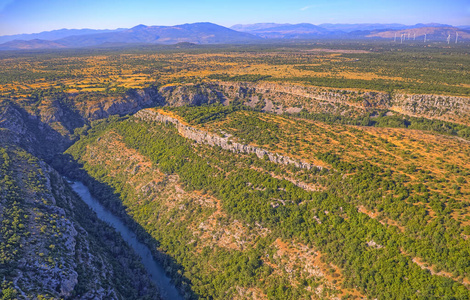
{"x":244,"y":227}
{"x":52,"y":245}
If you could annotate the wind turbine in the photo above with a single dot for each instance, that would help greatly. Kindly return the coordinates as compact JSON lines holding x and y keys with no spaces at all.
{"x":425,"y":37}
{"x":448,"y":40}
{"x":414,"y":36}
{"x":395,"y":38}
{"x":456,"y":37}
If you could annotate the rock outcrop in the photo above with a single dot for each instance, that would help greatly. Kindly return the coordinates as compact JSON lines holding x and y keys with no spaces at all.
{"x":446,"y":108}
{"x":53,"y":245}
{"x":282,"y":97}
{"x":54,"y":120}
{"x":204,"y":137}
{"x":32,"y":134}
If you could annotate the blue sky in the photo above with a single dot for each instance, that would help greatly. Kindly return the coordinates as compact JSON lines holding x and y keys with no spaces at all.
{"x":28,"y":16}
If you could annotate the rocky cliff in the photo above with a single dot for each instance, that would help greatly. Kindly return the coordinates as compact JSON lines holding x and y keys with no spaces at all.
{"x":32,"y":132}
{"x":282,"y":97}
{"x":204,"y":137}
{"x":278,"y":98}
{"x":52,"y":122}
{"x":52,"y":245}
{"x":446,"y":108}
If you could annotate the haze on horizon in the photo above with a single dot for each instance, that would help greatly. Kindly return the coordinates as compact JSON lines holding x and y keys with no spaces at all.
{"x":32,"y":16}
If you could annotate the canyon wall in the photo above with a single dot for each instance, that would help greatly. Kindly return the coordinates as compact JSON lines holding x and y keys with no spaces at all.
{"x":55,"y":120}
{"x":204,"y":137}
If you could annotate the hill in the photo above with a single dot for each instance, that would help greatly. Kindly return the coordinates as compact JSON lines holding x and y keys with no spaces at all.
{"x":54,"y":34}
{"x":197,"y":33}
{"x":345,"y":31}
{"x":245,"y":221}
{"x":209,"y":33}
{"x":432,"y":33}
{"x":286,"y":31}
{"x":51,"y":244}
{"x":31,"y":44}
{"x":375,"y":26}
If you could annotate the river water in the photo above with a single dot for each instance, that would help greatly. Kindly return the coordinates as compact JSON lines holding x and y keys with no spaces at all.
{"x":157,"y":274}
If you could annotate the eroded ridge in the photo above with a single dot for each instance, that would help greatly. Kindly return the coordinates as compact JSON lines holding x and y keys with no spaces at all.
{"x":204,"y":137}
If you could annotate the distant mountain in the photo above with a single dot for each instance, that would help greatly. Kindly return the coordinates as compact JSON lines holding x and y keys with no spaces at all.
{"x":209,"y":33}
{"x":375,"y":26}
{"x":32,"y":44}
{"x":360,"y":27}
{"x":197,"y":33}
{"x":284,"y":31}
{"x":54,"y":34}
{"x":420,"y":25}
{"x":432,"y":33}
{"x":257,"y":26}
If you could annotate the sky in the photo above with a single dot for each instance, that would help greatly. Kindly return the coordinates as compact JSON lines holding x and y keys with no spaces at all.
{"x":31,"y":16}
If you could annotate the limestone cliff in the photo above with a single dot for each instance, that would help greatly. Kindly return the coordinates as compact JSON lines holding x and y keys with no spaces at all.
{"x":283,"y":97}
{"x":52,"y":121}
{"x":204,"y":137}
{"x":52,"y":245}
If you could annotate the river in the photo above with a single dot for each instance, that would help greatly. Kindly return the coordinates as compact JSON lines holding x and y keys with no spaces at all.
{"x":157,"y":274}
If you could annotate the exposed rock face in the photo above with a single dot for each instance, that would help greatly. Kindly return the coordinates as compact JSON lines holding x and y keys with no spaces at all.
{"x":30,"y":132}
{"x":298,"y":94}
{"x":54,"y":245}
{"x":204,"y":137}
{"x":190,"y":95}
{"x":135,"y":100}
{"x":272,"y":97}
{"x":447,"y":108}
{"x":54,"y":121}
{"x":280,"y":98}
{"x":104,"y":106}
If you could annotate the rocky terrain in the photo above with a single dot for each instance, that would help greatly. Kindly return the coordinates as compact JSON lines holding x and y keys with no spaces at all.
{"x":204,"y":137}
{"x":50,"y":241}
{"x":52,"y":245}
{"x":53,"y":121}
{"x":199,"y":231}
{"x":281,"y":98}
{"x":229,"y":216}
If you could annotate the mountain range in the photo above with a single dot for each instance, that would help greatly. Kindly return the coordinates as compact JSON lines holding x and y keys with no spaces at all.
{"x":209,"y":33}
{"x":55,"y":34}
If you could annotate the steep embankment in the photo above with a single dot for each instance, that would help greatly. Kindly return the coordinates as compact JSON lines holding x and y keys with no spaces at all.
{"x":281,"y":97}
{"x":217,"y":254}
{"x":52,"y":245}
{"x":236,"y":231}
{"x":225,"y":143}
{"x":46,"y":126}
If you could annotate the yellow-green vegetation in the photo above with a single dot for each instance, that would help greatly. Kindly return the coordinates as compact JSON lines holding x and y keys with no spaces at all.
{"x":388,"y":220}
{"x":382,"y":67}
